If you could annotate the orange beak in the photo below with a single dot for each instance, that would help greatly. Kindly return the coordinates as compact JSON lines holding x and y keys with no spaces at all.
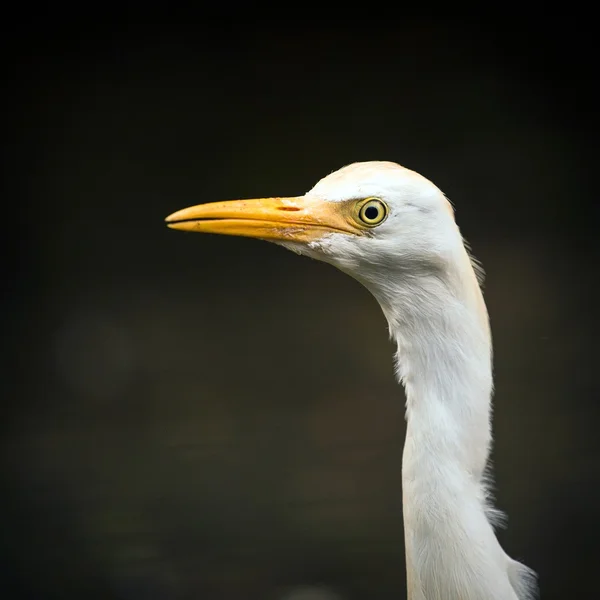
{"x":299,"y":219}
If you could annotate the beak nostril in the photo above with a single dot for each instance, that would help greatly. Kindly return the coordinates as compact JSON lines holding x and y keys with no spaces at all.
{"x":289,"y":208}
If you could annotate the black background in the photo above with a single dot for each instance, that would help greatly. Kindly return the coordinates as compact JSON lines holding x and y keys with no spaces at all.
{"x":191,"y":416}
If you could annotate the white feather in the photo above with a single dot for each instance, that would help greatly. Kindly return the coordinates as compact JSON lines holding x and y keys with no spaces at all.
{"x":418,"y":268}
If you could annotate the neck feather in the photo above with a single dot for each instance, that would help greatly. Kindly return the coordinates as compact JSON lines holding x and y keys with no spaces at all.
{"x":444,"y":362}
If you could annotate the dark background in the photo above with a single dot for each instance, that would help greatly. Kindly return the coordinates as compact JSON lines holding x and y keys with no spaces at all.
{"x":190,"y":416}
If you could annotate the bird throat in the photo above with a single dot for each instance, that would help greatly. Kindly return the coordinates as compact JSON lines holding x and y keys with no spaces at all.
{"x":444,"y":364}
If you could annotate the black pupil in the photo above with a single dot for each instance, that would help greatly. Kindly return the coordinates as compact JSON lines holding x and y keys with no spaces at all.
{"x":371,"y":212}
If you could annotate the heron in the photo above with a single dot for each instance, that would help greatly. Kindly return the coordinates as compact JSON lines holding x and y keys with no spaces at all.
{"x":395,"y":232}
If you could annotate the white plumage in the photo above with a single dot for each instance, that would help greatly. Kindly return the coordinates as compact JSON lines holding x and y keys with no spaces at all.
{"x":394,"y":231}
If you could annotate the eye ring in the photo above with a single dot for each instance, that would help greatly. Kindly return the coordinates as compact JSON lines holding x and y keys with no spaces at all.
{"x":372,"y":212}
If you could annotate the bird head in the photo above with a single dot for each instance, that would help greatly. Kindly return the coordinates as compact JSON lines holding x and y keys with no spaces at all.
{"x":372,"y":220}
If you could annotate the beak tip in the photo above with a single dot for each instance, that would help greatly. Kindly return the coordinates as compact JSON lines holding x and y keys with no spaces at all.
{"x":179,"y":226}
{"x":173,"y":217}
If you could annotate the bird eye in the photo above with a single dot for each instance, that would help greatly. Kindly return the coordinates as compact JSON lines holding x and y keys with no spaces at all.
{"x":372,"y":212}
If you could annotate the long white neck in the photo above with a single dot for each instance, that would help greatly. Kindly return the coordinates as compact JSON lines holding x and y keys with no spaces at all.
{"x":444,"y":361}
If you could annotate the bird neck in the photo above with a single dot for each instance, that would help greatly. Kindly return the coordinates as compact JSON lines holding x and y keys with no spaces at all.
{"x":444,"y":362}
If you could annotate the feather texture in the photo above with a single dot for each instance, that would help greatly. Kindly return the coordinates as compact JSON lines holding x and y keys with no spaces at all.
{"x":420,"y":270}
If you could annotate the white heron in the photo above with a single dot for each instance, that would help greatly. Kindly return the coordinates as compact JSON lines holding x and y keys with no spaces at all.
{"x":394,"y":231}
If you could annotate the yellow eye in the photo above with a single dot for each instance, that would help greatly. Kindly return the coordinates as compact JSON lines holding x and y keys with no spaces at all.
{"x":372,"y":212}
